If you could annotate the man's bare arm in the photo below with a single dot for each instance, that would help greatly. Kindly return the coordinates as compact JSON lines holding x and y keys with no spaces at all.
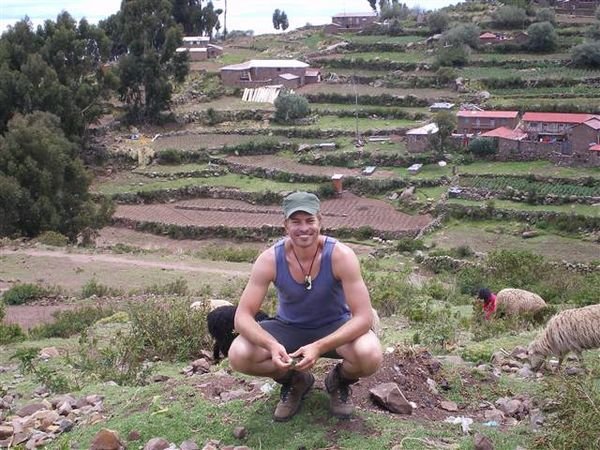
{"x":263,"y":272}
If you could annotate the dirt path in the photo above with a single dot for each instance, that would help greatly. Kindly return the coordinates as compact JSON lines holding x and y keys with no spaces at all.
{"x":201,"y":266}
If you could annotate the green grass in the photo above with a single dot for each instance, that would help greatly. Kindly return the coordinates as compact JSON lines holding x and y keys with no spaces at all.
{"x":349,"y":123}
{"x":245,"y":183}
{"x":583,"y":210}
{"x":475,"y":73}
{"x":405,"y":57}
{"x":373,"y":39}
{"x":164,"y":169}
{"x":542,"y":168}
{"x":519,"y":56}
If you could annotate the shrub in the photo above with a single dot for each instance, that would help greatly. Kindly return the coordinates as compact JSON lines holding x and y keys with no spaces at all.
{"x":390,"y":292}
{"x":409,"y":245}
{"x":53,"y":238}
{"x":289,"y":107}
{"x":545,"y":15}
{"x":455,"y":56}
{"x":438,"y":21}
{"x":92,"y":287}
{"x":586,"y":55}
{"x":464,"y":34}
{"x":176,"y":287}
{"x":230,"y":254}
{"x":120,"y":359}
{"x":69,"y":323}
{"x":542,"y":37}
{"x":574,"y":415}
{"x":509,"y":17}
{"x":23,"y":293}
{"x":593,"y":32}
{"x":168,"y":329}
{"x":11,"y":333}
{"x":169,"y":156}
{"x":483,"y":147}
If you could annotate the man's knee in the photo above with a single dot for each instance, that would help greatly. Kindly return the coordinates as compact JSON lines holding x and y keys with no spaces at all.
{"x":238,"y":354}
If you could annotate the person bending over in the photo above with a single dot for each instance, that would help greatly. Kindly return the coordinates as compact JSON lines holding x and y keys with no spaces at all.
{"x":323,"y":310}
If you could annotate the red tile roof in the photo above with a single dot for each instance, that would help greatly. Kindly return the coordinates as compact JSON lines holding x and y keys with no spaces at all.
{"x":595,"y":148}
{"x":506,"y":133}
{"x":556,"y":117}
{"x":489,"y":114}
{"x":593,"y":123}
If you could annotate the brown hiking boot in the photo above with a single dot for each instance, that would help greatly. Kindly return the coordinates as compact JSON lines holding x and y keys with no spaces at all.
{"x":338,"y":387}
{"x":292,"y":392}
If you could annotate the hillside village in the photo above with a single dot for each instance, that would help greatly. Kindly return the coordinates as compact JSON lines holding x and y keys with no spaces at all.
{"x":453,"y":150}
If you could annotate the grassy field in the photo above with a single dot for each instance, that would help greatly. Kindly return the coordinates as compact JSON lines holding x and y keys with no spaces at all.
{"x":359,"y":39}
{"x":131,"y":183}
{"x":583,"y":210}
{"x":362,"y":89}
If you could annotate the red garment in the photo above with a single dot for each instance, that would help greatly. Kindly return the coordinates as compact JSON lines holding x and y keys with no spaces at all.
{"x":489,"y":306}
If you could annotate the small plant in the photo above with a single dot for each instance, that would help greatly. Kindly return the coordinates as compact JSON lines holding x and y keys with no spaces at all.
{"x":69,"y":323}
{"x":176,"y":287}
{"x":23,"y":293}
{"x":50,"y":378}
{"x":11,"y":333}
{"x":121,"y":359}
{"x":574,"y":415}
{"x":409,"y":245}
{"x":231,"y":254}
{"x":168,"y":329}
{"x":92,"y":287}
{"x":53,"y":238}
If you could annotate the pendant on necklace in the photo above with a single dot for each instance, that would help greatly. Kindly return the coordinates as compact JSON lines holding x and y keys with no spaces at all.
{"x":308,"y":282}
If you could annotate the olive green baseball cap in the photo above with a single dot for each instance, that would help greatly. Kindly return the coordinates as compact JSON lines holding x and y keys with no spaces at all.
{"x":301,"y":201}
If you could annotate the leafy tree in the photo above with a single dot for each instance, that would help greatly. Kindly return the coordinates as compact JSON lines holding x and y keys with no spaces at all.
{"x":289,"y":107}
{"x":43,"y":184}
{"x":509,"y":17}
{"x":542,"y":37}
{"x":465,"y":34}
{"x":438,"y":21}
{"x":593,"y":32}
{"x":195,"y":19}
{"x":454,"y":56}
{"x":56,"y":69}
{"x":393,"y":10}
{"x":586,"y":55}
{"x":280,"y":20}
{"x":446,"y":122}
{"x":483,"y":147}
{"x":373,"y":4}
{"x":546,"y":15}
{"x":150,"y":64}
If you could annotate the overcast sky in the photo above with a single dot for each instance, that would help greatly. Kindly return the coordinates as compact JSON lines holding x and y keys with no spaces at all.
{"x":241,"y":15}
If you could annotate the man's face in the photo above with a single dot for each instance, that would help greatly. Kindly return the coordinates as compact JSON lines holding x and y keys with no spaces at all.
{"x":303,"y":228}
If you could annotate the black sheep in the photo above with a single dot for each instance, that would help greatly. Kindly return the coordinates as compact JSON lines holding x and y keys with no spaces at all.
{"x":220,"y":323}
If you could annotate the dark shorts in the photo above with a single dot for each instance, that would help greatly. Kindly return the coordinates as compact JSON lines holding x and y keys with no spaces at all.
{"x":292,"y":337}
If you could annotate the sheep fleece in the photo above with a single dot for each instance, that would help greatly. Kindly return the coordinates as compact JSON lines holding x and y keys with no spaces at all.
{"x":572,"y":330}
{"x":516,"y":301}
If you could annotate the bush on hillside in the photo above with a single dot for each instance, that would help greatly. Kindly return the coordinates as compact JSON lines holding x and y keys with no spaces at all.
{"x":69,"y":323}
{"x":586,"y":55}
{"x":23,"y":293}
{"x":542,"y":37}
{"x":509,"y":17}
{"x":546,"y":15}
{"x":290,"y":107}
{"x":438,"y":21}
{"x":454,"y":56}
{"x":464,"y":34}
{"x":593,"y":32}
{"x":53,"y":238}
{"x":483,"y":147}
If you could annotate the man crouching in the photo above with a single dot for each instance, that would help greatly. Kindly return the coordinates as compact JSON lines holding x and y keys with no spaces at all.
{"x":323,"y":309}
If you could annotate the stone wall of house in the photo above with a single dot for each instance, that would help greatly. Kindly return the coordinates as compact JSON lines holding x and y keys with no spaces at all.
{"x":509,"y":150}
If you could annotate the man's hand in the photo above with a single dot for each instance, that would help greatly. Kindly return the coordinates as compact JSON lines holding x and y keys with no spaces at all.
{"x":306,"y":357}
{"x":280,"y":357}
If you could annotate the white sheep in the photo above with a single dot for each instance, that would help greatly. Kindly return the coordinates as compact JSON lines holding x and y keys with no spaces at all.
{"x":518,"y":301}
{"x":211,"y":304}
{"x":572,"y":330}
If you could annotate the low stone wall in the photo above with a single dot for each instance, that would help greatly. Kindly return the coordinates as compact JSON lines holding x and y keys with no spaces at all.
{"x":470,"y":193}
{"x":525,"y":150}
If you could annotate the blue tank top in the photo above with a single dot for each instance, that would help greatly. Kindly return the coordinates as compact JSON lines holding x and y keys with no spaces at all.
{"x":325,"y":303}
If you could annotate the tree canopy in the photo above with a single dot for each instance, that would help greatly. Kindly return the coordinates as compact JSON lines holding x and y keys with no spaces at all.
{"x":542,"y":37}
{"x":280,"y":20}
{"x":43,"y":184}
{"x":58,"y":69}
{"x":147,"y":36}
